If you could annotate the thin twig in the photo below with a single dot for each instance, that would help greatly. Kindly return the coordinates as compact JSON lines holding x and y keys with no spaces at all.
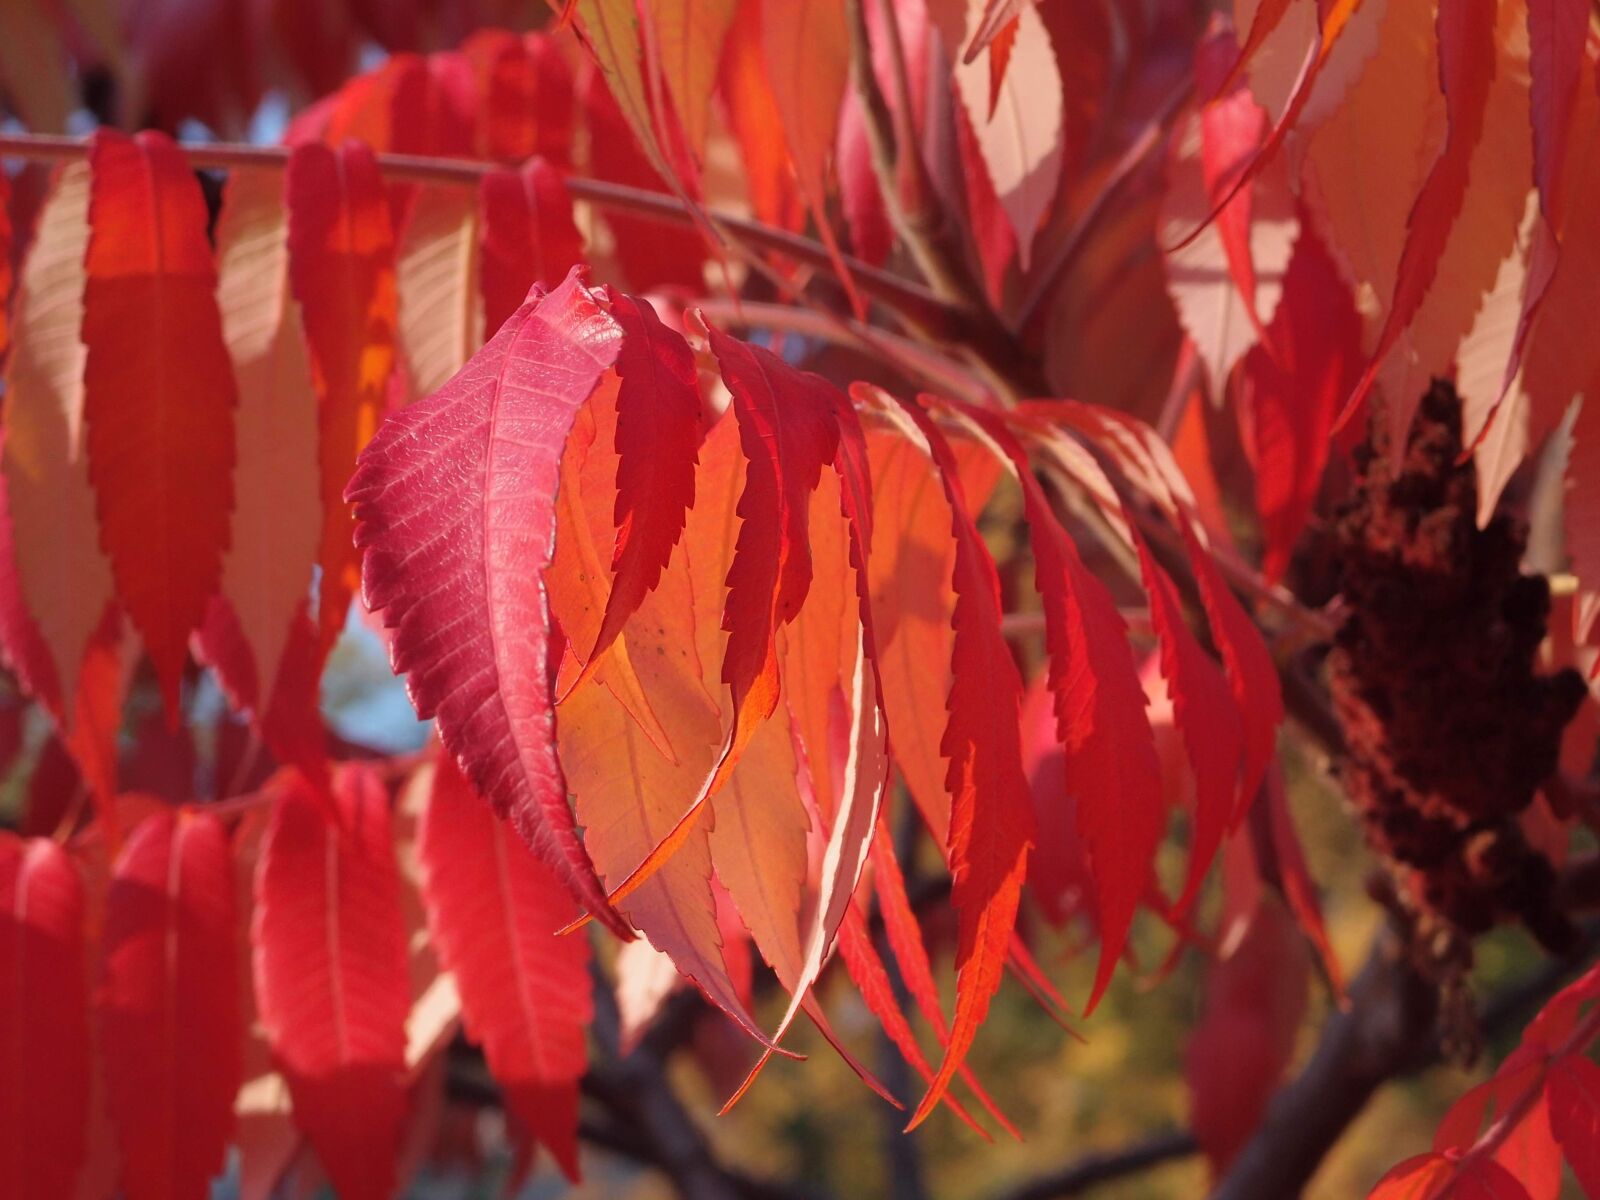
{"x":910,"y":299}
{"x":1097,"y":1168}
{"x":910,"y":357}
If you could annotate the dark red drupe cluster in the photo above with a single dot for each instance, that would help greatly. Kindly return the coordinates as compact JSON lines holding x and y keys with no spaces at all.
{"x":1450,"y":730}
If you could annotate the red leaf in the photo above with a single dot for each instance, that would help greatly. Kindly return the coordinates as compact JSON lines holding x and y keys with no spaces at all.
{"x":648,"y":259}
{"x":330,"y":973}
{"x":1282,"y":861}
{"x":1574,"y":1096}
{"x":904,"y":935}
{"x":1556,"y":30}
{"x":529,"y":236}
{"x":1205,"y":714}
{"x":998,"y":16}
{"x":1467,"y":57}
{"x":658,"y":437}
{"x":44,"y":1048}
{"x":1255,"y":999}
{"x":526,"y":105}
{"x":877,"y":992}
{"x":341,"y":263}
{"x":5,"y":266}
{"x":1231,"y":129}
{"x":871,"y":235}
{"x":1292,"y":393}
{"x":169,"y":1005}
{"x":1059,"y":877}
{"x":1111,"y":764}
{"x":983,"y":743}
{"x":467,"y":553}
{"x":1252,"y":675}
{"x":1434,"y":1177}
{"x":158,"y":392}
{"x":493,"y":908}
{"x":788,"y":431}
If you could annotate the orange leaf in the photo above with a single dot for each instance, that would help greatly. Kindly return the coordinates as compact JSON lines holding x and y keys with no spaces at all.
{"x":266,"y":574}
{"x":341,"y":264}
{"x":63,"y":576}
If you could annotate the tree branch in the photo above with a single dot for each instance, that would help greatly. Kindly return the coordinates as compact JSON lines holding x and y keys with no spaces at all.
{"x":1092,"y":1170}
{"x":637,"y":1092}
{"x":1388,"y":1031}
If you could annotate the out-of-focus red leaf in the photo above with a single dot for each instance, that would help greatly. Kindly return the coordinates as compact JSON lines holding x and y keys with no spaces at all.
{"x":871,"y":236}
{"x":159,"y":392}
{"x":788,"y":432}
{"x":1291,"y":394}
{"x":648,"y":259}
{"x":753,"y":114}
{"x":493,"y":909}
{"x":1255,"y":999}
{"x":330,"y":973}
{"x":1467,"y":59}
{"x":1282,"y":861}
{"x":658,"y":435}
{"x":168,"y":1002}
{"x":689,"y":35}
{"x":806,"y":48}
{"x":90,"y":729}
{"x":525,"y":93}
{"x":277,"y":519}
{"x":5,"y":266}
{"x":1574,"y":1098}
{"x":63,"y":579}
{"x":33,"y":62}
{"x":528,"y":237}
{"x":491,"y":442}
{"x":983,"y":744}
{"x":44,"y":1054}
{"x":341,"y":265}
{"x":1059,"y":878}
{"x":1556,"y":31}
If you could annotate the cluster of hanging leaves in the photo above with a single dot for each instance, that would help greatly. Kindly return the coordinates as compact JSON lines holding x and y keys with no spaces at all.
{"x":683,"y":612}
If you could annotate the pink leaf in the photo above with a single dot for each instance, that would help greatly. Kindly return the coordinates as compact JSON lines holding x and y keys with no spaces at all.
{"x":455,"y":503}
